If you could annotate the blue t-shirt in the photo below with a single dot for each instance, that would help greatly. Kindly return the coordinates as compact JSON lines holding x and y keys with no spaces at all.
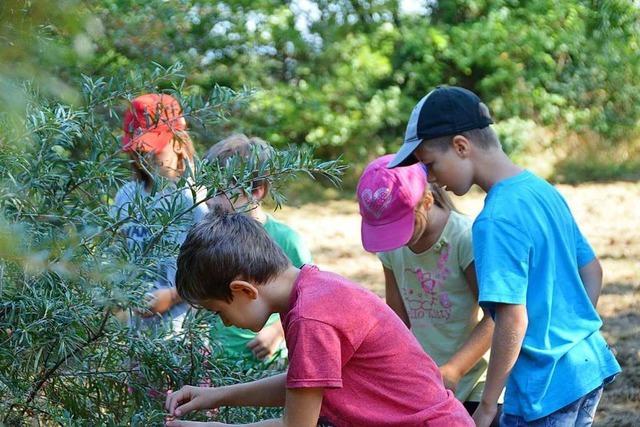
{"x":528,"y":250}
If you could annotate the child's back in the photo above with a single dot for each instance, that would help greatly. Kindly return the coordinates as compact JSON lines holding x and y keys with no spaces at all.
{"x":528,"y":228}
{"x":347,"y":340}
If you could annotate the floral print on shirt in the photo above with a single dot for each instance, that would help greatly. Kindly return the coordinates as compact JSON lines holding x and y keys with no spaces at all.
{"x":432,"y":301}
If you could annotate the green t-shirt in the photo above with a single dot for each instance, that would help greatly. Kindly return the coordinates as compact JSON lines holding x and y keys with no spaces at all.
{"x":235,"y":339}
{"x":441,"y":307}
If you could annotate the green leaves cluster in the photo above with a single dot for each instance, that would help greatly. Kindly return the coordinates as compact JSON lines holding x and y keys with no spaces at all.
{"x":344,"y":75}
{"x":68,"y":278}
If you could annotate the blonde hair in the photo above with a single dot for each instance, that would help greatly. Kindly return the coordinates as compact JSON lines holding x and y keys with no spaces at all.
{"x":441,"y":198}
{"x":240,"y":144}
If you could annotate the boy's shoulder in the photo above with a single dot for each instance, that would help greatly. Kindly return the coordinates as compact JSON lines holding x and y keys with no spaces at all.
{"x":329,"y":297}
{"x":517,"y":196}
{"x":275,"y":226}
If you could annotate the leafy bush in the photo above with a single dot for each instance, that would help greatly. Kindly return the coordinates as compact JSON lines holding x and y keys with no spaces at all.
{"x":68,"y":281}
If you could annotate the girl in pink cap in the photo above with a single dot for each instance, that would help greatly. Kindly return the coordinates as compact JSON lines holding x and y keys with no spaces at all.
{"x":158,"y":144}
{"x":425,"y":248}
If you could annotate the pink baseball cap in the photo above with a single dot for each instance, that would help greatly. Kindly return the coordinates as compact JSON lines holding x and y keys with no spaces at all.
{"x":387,"y":199}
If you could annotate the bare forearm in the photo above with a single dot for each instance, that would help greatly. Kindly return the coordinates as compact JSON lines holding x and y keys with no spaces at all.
{"x":591,"y":275}
{"x":269,"y":391}
{"x":393,"y":297}
{"x":510,"y":328}
{"x":474,"y":348}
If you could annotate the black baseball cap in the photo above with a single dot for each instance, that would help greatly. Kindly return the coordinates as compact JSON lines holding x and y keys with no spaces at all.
{"x":446,"y":110}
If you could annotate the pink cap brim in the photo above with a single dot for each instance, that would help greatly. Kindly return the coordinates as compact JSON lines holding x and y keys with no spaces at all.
{"x":387,"y":237}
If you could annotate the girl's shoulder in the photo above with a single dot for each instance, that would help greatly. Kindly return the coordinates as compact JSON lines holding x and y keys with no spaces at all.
{"x":459,"y":221}
{"x":458,"y":227}
{"x":128,"y":192}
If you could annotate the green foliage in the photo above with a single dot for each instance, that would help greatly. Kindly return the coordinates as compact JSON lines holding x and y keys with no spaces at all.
{"x":344,"y":75}
{"x":340,"y":76}
{"x":68,"y":279}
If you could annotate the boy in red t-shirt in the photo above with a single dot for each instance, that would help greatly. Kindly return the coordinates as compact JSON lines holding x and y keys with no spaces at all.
{"x":352,"y":362}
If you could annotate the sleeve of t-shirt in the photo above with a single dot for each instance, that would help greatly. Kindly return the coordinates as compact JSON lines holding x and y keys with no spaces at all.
{"x":385,"y":259}
{"x":584,"y":251}
{"x":297,"y":250}
{"x":314,"y":355}
{"x":201,"y":210}
{"x":465,"y":248}
{"x":502,"y":262}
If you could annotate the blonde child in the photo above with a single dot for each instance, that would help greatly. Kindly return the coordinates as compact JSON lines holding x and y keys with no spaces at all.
{"x":426,"y":252}
{"x":156,"y":140}
{"x":243,"y":342}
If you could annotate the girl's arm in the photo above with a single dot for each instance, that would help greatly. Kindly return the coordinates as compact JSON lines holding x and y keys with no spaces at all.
{"x":393,"y":297}
{"x":476,"y":345}
{"x":267,"y":341}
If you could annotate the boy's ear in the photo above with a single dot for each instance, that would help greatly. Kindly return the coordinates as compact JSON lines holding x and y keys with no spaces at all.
{"x":245,"y":288}
{"x":461,"y":146}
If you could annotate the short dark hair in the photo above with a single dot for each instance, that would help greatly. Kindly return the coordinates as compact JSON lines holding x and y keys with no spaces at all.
{"x":241,"y":145}
{"x":223,"y":247}
{"x":484,"y":138}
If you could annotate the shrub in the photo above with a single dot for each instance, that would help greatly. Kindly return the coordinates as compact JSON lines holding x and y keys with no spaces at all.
{"x":67,"y":279}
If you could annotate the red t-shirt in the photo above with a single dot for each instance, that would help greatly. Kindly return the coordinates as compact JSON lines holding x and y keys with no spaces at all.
{"x":347,"y":340}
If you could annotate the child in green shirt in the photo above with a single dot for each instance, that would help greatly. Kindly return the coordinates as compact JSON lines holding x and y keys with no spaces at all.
{"x":269,"y":341}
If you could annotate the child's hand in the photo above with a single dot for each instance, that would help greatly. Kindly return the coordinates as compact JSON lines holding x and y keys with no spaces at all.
{"x":266,"y":341}
{"x":161,"y":301}
{"x":170,"y":422}
{"x":450,"y":376}
{"x":190,"y":398}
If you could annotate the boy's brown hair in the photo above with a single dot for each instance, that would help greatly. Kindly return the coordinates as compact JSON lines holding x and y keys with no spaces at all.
{"x":223,"y":247}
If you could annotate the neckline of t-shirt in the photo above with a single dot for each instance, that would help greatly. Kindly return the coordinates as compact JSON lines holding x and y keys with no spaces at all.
{"x":304,"y":270}
{"x":525,"y":174}
{"x":436,"y":245}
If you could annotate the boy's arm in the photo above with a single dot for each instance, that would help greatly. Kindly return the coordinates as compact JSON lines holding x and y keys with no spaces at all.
{"x":265,"y":392}
{"x":591,"y":275}
{"x":510,"y":327}
{"x":474,"y":347}
{"x":302,"y":409}
{"x":393,"y":297}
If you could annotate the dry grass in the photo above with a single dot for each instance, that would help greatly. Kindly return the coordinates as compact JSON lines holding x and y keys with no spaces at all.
{"x":609,"y":215}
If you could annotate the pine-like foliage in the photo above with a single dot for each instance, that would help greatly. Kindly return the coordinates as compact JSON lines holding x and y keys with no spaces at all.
{"x":67,"y":280}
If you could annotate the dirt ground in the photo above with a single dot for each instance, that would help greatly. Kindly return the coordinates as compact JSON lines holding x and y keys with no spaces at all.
{"x":608,"y":214}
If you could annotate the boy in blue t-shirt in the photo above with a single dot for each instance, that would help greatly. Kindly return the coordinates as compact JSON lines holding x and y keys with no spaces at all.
{"x":536,"y":271}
